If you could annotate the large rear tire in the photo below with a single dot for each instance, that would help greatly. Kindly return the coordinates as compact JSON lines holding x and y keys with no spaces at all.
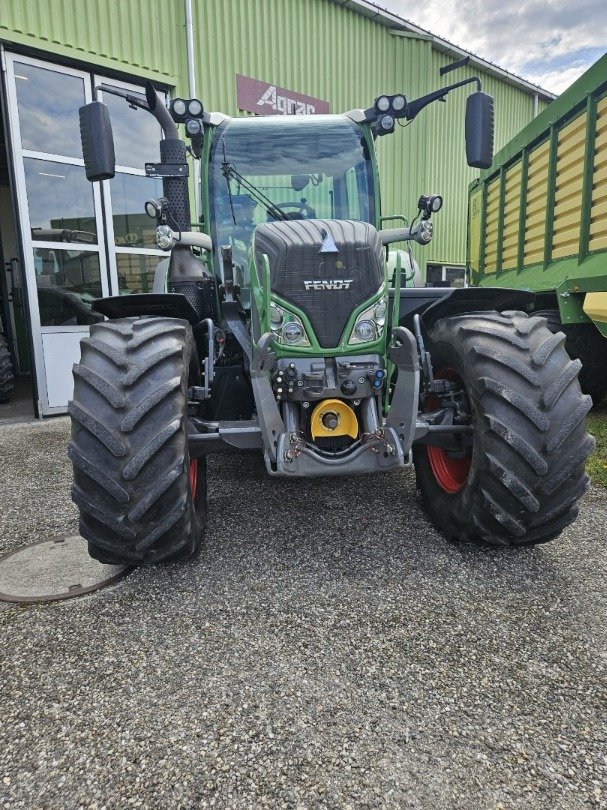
{"x":6,"y":370}
{"x":521,"y":481}
{"x":584,"y":342}
{"x":141,"y":499}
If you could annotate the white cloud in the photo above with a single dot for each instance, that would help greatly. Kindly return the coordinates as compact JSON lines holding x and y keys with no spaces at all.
{"x":550,"y":42}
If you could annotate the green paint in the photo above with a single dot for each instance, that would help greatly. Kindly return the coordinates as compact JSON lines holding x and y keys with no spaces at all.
{"x":587,"y":181}
{"x":520,"y":257}
{"x":315,"y":349}
{"x":481,"y":269}
{"x":552,"y":158}
{"x":500,"y":221}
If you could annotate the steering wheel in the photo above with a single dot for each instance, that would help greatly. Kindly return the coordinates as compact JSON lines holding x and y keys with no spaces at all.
{"x":304,"y":210}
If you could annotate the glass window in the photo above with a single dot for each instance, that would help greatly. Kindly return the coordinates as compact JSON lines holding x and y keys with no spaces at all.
{"x":296,"y":168}
{"x":60,"y":199}
{"x":132,"y":226}
{"x":136,"y":133}
{"x":68,"y":281}
{"x":48,"y":103}
{"x":136,"y":272}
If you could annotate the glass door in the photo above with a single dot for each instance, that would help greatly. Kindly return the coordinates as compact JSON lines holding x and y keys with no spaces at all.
{"x":81,"y":240}
{"x":60,"y":216}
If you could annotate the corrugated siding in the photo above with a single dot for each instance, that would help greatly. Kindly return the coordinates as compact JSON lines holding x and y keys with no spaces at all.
{"x":129,"y":33}
{"x":512,"y":198}
{"x":598,"y":212}
{"x":311,"y":46}
{"x":568,"y":188}
{"x":447,"y":172}
{"x":535,"y":206}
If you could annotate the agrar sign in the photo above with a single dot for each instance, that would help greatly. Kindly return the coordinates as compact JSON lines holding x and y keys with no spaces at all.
{"x":264,"y":98}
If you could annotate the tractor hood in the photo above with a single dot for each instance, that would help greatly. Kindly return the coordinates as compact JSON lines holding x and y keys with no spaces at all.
{"x":324,"y":267}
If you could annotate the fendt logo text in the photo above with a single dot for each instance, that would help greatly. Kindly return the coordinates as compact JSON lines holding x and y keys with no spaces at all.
{"x":284,"y":104}
{"x":329,"y":284}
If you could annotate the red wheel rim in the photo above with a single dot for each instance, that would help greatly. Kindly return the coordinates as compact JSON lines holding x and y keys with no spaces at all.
{"x":450,"y":473}
{"x":193,"y":476}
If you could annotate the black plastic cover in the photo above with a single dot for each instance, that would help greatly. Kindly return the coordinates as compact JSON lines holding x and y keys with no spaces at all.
{"x":97,"y":141}
{"x":479,"y":130}
{"x":167,"y":305}
{"x":326,"y":267}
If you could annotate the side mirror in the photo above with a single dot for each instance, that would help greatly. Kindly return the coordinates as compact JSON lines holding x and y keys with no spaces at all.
{"x":479,"y":130}
{"x":97,"y":141}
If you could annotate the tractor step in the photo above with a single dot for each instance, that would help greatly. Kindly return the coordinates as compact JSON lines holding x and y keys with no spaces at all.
{"x":206,"y":437}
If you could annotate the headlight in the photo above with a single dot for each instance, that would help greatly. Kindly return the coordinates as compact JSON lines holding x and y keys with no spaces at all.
{"x":383,"y":103}
{"x":379,"y":313}
{"x":365,"y":331}
{"x":276,"y":317}
{"x":293,"y":333}
{"x":286,"y":327}
{"x":370,"y":323}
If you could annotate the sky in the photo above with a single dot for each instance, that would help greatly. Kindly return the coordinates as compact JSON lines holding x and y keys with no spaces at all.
{"x":548,"y":42}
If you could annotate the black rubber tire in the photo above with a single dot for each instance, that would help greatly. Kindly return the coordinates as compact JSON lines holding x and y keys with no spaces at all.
{"x":530,"y":442}
{"x":584,"y":342}
{"x":6,"y":370}
{"x":129,"y":445}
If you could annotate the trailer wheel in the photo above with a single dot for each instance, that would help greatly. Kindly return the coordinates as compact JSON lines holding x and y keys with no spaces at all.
{"x":518,"y":481}
{"x":6,"y":370}
{"x":142,"y":500}
{"x":584,"y":342}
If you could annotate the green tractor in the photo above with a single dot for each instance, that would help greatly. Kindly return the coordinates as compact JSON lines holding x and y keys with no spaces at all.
{"x":278,"y":328}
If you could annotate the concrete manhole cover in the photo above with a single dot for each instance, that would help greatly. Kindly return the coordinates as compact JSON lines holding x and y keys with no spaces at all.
{"x":54,"y":569}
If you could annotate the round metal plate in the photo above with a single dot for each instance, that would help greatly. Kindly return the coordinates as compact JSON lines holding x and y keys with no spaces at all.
{"x":54,"y":569}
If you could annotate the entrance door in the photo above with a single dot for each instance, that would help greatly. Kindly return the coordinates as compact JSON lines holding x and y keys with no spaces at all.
{"x":81,"y":240}
{"x":61,"y":218}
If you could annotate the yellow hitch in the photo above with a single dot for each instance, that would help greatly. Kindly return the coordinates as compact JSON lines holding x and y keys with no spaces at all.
{"x":332,"y":417}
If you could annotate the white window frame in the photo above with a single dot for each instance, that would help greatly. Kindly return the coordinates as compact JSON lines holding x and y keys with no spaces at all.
{"x":18,"y":156}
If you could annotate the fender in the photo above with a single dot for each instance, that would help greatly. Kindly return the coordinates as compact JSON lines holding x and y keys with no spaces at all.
{"x":433,"y":303}
{"x":168,"y":305}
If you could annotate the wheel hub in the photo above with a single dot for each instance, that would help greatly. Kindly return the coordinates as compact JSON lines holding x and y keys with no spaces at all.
{"x":451,"y":473}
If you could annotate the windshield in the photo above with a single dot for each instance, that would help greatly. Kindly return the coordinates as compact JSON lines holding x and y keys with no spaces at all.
{"x":297,"y":167}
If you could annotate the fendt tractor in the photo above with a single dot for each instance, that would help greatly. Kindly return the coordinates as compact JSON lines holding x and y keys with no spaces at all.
{"x":279,"y":328}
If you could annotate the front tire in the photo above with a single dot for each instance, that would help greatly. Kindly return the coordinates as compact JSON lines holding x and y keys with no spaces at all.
{"x":522,"y":479}
{"x":141,"y":499}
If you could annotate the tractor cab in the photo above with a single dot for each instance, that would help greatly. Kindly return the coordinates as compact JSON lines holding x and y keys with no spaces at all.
{"x":303,"y":167}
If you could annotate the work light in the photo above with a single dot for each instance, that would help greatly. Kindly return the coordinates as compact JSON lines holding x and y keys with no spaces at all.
{"x":195,"y":108}
{"x":178,"y":110}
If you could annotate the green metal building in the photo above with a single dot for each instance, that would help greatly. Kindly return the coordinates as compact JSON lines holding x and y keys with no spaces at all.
{"x":59,"y":235}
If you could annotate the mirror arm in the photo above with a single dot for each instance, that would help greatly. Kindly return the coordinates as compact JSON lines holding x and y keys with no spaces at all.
{"x":159,"y":111}
{"x":132,"y":98}
{"x":417,"y":105}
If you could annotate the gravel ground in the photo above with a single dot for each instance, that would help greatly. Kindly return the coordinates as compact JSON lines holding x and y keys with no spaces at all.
{"x":327,"y":649}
